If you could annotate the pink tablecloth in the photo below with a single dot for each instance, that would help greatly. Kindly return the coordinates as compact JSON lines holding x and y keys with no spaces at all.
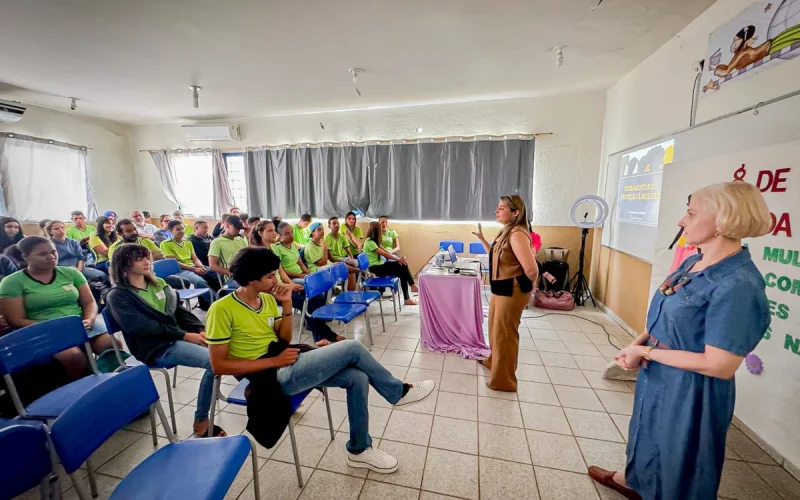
{"x":451,"y":314}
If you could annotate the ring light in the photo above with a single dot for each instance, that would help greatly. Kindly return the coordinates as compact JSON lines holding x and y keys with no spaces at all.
{"x":580,"y":286}
{"x":601,"y":211}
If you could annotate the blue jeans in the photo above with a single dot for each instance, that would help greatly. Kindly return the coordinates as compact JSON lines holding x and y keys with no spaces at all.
{"x":92,"y":274}
{"x":199,"y":282}
{"x":184,"y":353}
{"x":348,"y":365}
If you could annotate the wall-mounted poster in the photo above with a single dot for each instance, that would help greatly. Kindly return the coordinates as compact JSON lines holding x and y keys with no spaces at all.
{"x":759,"y":37}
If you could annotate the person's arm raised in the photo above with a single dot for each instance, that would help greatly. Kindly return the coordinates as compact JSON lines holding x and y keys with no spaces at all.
{"x":479,"y":235}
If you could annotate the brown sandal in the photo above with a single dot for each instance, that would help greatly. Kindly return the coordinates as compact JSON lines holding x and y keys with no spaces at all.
{"x":606,"y":478}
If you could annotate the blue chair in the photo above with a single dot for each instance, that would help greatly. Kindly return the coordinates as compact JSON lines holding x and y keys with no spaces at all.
{"x":390,"y":282}
{"x":195,"y":468}
{"x":340,"y":275}
{"x":236,"y":397}
{"x":130,"y":362}
{"x":476,"y":248}
{"x":226,"y":287}
{"x":322,"y":282}
{"x":458,"y":246}
{"x":26,"y":460}
{"x":169,"y":267}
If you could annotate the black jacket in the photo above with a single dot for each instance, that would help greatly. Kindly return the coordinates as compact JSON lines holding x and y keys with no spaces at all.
{"x":201,"y":246}
{"x":147,"y":331}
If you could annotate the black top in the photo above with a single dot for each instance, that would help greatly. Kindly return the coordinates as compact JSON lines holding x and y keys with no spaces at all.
{"x":505,"y":288}
{"x":201,"y":246}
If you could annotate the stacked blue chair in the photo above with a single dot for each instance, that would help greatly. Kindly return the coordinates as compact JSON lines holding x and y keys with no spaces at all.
{"x":476,"y":248}
{"x":236,"y":397}
{"x":320,"y":283}
{"x":458,"y":246}
{"x":340,"y":274}
{"x":25,"y":460}
{"x":390,"y":282}
{"x":169,"y":267}
{"x":130,"y":362}
{"x":195,"y":468}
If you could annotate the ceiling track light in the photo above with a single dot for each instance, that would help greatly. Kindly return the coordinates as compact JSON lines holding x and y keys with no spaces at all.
{"x":195,"y":95}
{"x":559,"y":52}
{"x":73,"y":104}
{"x":354,"y":72}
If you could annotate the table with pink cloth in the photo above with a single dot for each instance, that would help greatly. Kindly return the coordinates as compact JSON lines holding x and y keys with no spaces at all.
{"x":451,"y":313}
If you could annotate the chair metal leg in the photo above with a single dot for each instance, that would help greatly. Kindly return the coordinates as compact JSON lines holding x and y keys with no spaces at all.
{"x":169,"y":399}
{"x":153,"y":428}
{"x":328,"y":407}
{"x":394,"y":308}
{"x":369,"y":328}
{"x":79,"y":487}
{"x":214,"y":396}
{"x":383,"y":324}
{"x":256,"y":488}
{"x":296,"y":456}
{"x":175,"y":377}
{"x":399,"y":302}
{"x":92,"y":477}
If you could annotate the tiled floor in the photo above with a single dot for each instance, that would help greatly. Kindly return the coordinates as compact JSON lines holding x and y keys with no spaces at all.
{"x":465,"y":441}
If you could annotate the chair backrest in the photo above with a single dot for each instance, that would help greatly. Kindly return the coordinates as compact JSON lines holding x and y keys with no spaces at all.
{"x":458,"y":246}
{"x":24,"y":459}
{"x":41,"y":341}
{"x":166,"y":267}
{"x":97,"y":415}
{"x":363,"y":261}
{"x":318,"y":283}
{"x":111,"y":323}
{"x":476,"y":248}
{"x":339,"y":272}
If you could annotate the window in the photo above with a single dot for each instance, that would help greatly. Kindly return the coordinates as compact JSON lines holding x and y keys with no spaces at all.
{"x":235,"y":164}
{"x":195,"y":188}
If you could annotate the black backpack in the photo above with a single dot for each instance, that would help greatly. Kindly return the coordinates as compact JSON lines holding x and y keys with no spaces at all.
{"x":559,"y":270}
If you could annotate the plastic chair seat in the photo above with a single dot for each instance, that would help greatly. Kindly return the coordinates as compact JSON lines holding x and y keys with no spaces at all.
{"x":195,"y":468}
{"x":8,"y":422}
{"x":191,"y":293}
{"x":382,"y":282}
{"x":53,"y":404}
{"x":236,"y":396}
{"x":356,"y":298}
{"x":339,"y":312}
{"x":131,"y":362}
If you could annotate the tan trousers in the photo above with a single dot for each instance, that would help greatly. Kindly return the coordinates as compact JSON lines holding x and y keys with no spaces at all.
{"x":505,"y":314}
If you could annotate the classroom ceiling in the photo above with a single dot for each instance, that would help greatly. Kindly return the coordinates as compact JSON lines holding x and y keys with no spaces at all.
{"x":132,"y":61}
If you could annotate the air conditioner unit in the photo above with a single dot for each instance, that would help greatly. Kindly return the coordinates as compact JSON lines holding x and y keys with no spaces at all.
{"x":210,"y":132}
{"x":11,"y":112}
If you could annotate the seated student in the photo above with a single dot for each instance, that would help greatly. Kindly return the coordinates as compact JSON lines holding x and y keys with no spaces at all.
{"x":390,"y":241}
{"x":224,"y":248}
{"x":42,"y":224}
{"x":101,"y":241}
{"x":263,"y":237}
{"x":10,"y":232}
{"x":289,"y":254}
{"x":301,"y":232}
{"x":163,"y":233}
{"x":80,"y":231}
{"x":178,"y":215}
{"x":339,"y":251}
{"x":219,"y":226}
{"x":394,"y":265}
{"x":127,"y":234}
{"x":192,"y":270}
{"x":157,"y":329}
{"x":248,"y":337}
{"x":316,"y":251}
{"x":46,"y":291}
{"x":353,"y":233}
{"x":144,"y":228}
{"x":252,"y":222}
{"x":111,"y":215}
{"x":69,"y":251}
{"x":201,"y":241}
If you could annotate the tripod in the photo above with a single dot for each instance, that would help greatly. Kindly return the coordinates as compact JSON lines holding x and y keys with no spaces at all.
{"x":578,"y":283}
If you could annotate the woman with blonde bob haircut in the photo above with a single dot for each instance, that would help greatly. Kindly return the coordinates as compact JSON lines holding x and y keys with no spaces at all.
{"x":703,"y":320}
{"x":512,"y":273}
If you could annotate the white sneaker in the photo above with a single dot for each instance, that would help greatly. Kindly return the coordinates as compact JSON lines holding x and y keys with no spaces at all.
{"x":374,"y":460}
{"x":419,"y":391}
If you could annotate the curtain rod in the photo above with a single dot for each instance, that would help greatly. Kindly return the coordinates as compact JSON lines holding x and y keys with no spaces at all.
{"x":12,"y":135}
{"x":360,"y":143}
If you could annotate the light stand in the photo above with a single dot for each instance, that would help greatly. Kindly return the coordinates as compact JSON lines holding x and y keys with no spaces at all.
{"x":578,"y":284}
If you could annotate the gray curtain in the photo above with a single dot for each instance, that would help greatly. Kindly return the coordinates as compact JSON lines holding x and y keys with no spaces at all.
{"x":445,"y":180}
{"x":223,"y":197}
{"x":166,"y":173}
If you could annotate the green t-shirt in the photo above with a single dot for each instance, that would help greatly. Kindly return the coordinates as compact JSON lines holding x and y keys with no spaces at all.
{"x":139,"y":241}
{"x":358,"y":233}
{"x":289,"y":257}
{"x":95,"y":241}
{"x":225,"y":249}
{"x":371,"y":249}
{"x":338,"y":245}
{"x":76,"y":234}
{"x":182,"y":252}
{"x":247,"y":331}
{"x":43,"y":301}
{"x":187,"y":231}
{"x":301,"y":236}
{"x":313,"y":253}
{"x":388,"y":239}
{"x":154,"y":295}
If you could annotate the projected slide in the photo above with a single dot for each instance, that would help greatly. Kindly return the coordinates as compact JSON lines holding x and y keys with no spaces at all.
{"x":639,"y":193}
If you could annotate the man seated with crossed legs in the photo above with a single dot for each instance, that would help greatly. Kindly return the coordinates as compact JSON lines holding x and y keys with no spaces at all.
{"x":242,"y":327}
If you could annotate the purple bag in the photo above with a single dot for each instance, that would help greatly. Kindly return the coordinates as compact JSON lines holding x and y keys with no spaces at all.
{"x":556,"y":301}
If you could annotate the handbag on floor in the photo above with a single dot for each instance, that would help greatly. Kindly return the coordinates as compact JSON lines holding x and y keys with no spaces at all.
{"x":555,"y":300}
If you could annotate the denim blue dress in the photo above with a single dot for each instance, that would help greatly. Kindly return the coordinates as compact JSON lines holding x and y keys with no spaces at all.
{"x":676,"y":441}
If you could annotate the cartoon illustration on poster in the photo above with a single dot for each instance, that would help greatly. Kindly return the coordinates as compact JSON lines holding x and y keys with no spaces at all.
{"x":757,"y":38}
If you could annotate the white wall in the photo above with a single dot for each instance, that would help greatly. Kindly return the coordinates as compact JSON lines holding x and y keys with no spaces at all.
{"x":111,"y":172}
{"x":565,"y":164}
